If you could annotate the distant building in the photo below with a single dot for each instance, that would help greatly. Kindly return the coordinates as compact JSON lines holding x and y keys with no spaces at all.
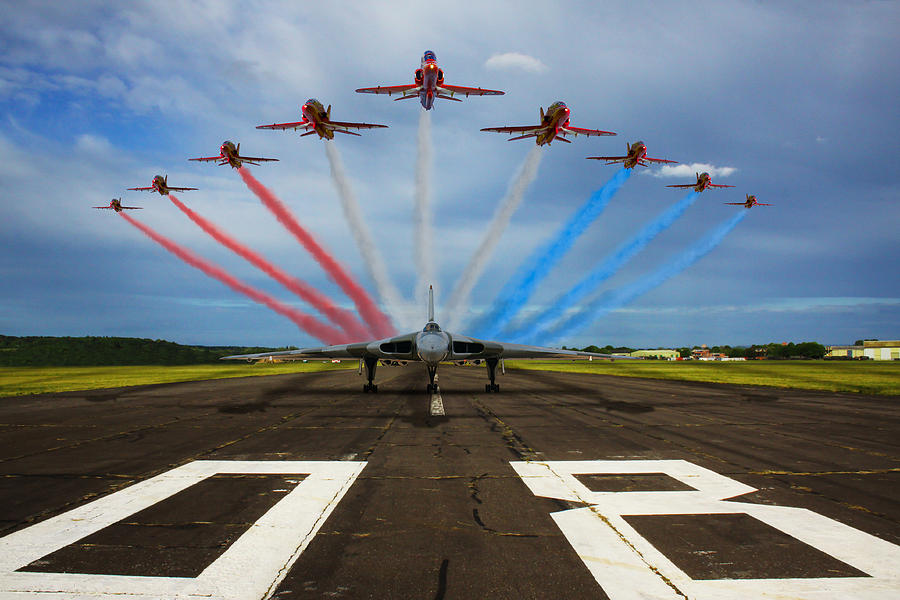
{"x":845,"y":351}
{"x":704,"y":353}
{"x":874,"y":350}
{"x":661,"y":353}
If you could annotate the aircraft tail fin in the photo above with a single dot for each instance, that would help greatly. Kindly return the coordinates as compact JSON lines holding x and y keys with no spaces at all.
{"x":430,"y":304}
{"x":328,"y":113}
{"x":542,"y":114}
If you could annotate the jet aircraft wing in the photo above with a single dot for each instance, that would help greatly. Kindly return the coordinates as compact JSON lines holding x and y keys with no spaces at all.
{"x":690,"y":185}
{"x":208,"y":158}
{"x":385,"y":349}
{"x":658,"y":160}
{"x":588,"y":132}
{"x":610,"y":158}
{"x":179,"y":189}
{"x":390,"y":90}
{"x":144,"y":189}
{"x":520,"y":129}
{"x":253,"y":159}
{"x":344,"y":124}
{"x":284,"y":126}
{"x":468,"y":91}
{"x":718,"y":185}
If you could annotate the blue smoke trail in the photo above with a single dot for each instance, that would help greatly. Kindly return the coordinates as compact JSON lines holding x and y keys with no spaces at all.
{"x":617,"y":298}
{"x":605,"y":270}
{"x":518,"y":290}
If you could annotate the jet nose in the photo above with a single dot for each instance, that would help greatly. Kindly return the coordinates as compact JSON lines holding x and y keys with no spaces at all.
{"x":432,"y":348}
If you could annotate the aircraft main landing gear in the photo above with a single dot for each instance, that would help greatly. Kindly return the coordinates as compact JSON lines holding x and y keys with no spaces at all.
{"x":492,"y":373}
{"x":371,"y":365}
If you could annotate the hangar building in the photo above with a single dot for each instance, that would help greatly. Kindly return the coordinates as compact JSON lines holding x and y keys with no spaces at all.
{"x":874,"y":350}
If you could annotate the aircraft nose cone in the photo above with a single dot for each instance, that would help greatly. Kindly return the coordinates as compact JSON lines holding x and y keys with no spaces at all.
{"x":432,"y":348}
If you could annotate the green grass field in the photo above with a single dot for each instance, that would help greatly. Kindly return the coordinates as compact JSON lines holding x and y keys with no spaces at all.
{"x":863,"y":377}
{"x":16,"y":381}
{"x":868,"y":377}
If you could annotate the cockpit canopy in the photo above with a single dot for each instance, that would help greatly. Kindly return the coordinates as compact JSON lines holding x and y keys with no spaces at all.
{"x":432,"y":327}
{"x":429,"y":55}
{"x":559,"y":104}
{"x":313,"y":101}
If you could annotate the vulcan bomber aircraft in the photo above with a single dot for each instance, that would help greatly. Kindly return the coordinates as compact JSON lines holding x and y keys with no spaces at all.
{"x":431,"y":346}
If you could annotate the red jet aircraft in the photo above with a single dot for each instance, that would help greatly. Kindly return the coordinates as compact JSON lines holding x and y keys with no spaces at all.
{"x":317,"y":119}
{"x":749,"y":203}
{"x":429,"y":84}
{"x":161,"y":184}
{"x":116,"y":205}
{"x":554,"y":126}
{"x":703,"y":182}
{"x":636,"y":155}
{"x":229,"y":154}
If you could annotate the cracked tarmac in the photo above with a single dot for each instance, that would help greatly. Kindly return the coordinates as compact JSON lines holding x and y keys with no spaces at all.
{"x":438,"y":512}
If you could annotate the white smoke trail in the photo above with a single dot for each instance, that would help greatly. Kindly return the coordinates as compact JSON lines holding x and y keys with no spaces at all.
{"x":422,"y":209}
{"x":371,"y":257}
{"x":457,"y":304}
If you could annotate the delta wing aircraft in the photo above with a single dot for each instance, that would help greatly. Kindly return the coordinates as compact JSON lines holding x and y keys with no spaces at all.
{"x":554,"y":125}
{"x":430,"y":346}
{"x":703,"y":182}
{"x":161,"y":184}
{"x":230,"y":154}
{"x":317,"y":119}
{"x":428,"y":85}
{"x":749,"y":203}
{"x":636,"y":155}
{"x":116,"y":205}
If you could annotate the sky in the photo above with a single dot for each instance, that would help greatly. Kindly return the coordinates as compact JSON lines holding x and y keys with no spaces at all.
{"x":793,"y":102}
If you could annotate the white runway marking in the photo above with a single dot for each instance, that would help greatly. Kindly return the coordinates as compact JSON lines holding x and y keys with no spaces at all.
{"x":628,"y":567}
{"x":252,"y":567}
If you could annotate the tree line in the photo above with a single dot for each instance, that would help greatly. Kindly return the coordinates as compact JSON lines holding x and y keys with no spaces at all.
{"x":41,"y":351}
{"x":775,"y":351}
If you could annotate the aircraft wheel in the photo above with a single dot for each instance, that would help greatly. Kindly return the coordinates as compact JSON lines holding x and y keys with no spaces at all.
{"x":487,"y":388}
{"x":497,"y":387}
{"x":365,"y":388}
{"x":374,"y":388}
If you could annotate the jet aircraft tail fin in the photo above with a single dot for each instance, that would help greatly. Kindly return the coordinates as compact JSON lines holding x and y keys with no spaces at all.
{"x":430,"y":304}
{"x":542,"y":114}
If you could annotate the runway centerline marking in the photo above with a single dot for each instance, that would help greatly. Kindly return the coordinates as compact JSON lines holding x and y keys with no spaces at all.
{"x":250,"y":568}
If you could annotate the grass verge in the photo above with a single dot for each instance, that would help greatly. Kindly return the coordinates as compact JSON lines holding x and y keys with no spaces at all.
{"x":17,"y":381}
{"x":867,"y":377}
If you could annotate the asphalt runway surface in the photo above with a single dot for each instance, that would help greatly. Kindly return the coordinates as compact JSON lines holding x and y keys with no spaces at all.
{"x":560,"y":486}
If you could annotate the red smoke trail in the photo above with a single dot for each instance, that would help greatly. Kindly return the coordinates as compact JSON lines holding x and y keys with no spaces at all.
{"x":379,"y":323}
{"x":311,"y":325}
{"x":343,"y":319}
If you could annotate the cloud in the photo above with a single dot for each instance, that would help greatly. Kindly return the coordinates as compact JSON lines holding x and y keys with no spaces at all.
{"x":690,"y":170}
{"x":515,"y":60}
{"x":782,"y":305}
{"x":93,"y":144}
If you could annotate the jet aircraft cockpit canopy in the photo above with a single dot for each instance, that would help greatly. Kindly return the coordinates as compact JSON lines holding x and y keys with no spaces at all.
{"x":429,"y":55}
{"x":312,"y":101}
{"x":432,"y":327}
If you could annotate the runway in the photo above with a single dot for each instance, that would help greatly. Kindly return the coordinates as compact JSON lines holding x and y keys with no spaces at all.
{"x":560,"y":486}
